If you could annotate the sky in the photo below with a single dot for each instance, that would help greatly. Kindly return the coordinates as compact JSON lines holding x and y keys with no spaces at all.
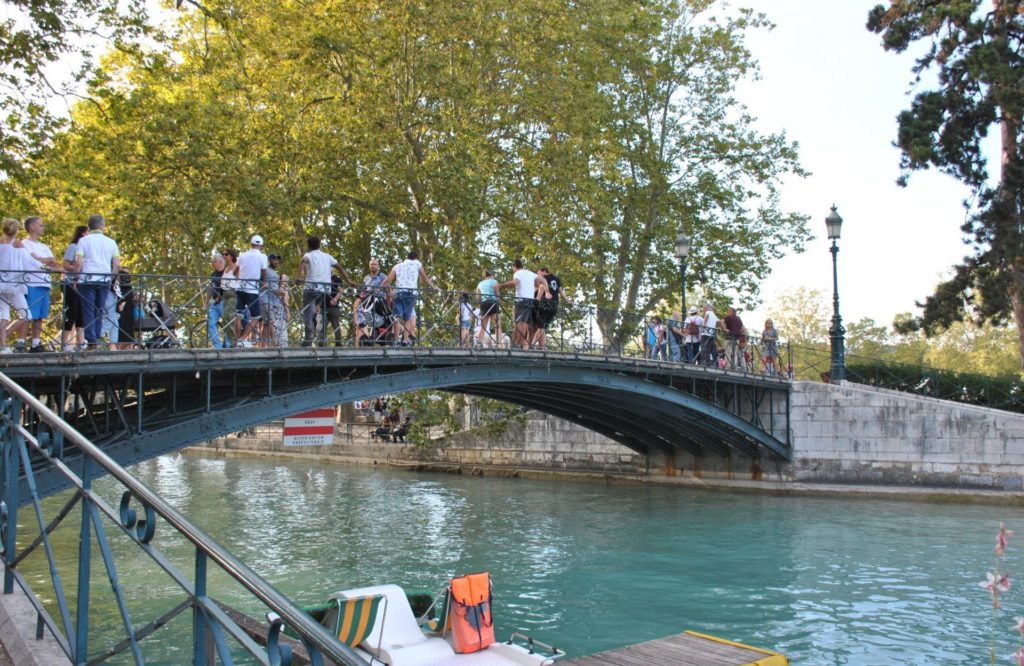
{"x":829,"y":84}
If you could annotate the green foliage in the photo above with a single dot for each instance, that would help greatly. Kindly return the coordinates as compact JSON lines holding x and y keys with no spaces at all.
{"x":975,"y":48}
{"x":35,"y":34}
{"x":802,"y":317}
{"x":1000,"y":392}
{"x":581,"y":135}
{"x":433,"y":415}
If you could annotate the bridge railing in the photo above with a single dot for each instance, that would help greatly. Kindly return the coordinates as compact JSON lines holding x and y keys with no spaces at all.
{"x":31,"y":435}
{"x":157,"y":311}
{"x":1006,"y":393}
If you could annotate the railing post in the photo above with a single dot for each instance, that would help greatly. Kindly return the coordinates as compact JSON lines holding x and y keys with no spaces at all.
{"x":199,"y":621}
{"x":84,"y":570}
{"x":12,"y":469}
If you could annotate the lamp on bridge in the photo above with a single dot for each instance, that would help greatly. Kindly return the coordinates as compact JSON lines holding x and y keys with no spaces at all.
{"x":683,"y":251}
{"x":837,"y":372}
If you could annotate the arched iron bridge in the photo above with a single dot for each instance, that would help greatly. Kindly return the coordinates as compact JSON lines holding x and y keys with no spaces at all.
{"x":141,"y":404}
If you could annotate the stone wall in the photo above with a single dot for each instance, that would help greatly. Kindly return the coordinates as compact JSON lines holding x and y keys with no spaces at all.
{"x":534,"y":442}
{"x":840,"y":434}
{"x":858,"y":434}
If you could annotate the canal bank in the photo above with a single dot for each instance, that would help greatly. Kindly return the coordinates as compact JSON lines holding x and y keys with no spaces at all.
{"x":918,"y":448}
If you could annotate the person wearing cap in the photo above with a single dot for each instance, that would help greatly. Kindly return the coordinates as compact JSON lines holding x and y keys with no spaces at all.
{"x":692,"y":331}
{"x":315,"y":271}
{"x":252,"y":278}
{"x":708,"y":346}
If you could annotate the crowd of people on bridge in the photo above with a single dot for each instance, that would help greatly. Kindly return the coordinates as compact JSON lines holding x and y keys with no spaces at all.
{"x":695,"y":339}
{"x":247,"y":302}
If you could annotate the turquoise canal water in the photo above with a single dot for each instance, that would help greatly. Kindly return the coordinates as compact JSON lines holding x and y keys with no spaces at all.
{"x":592,"y":567}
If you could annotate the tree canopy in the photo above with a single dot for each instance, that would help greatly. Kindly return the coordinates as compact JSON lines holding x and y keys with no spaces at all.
{"x":580,"y":135}
{"x":974,"y":49}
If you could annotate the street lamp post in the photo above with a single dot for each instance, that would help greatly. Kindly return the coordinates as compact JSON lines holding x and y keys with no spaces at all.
{"x":683,"y":251}
{"x":837,"y":373}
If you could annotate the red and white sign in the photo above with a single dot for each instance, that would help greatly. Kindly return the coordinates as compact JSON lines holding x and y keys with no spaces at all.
{"x":313,"y":428}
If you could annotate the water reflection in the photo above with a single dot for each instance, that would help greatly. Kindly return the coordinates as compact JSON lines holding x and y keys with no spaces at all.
{"x":593,"y":567}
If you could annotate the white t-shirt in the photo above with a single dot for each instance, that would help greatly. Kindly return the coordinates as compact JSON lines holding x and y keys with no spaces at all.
{"x":318,"y":272}
{"x":250,"y":264}
{"x":41,"y":279}
{"x":98,"y":252}
{"x":525,"y":284}
{"x":710,"y":324}
{"x":407,"y":274}
{"x":12,"y":262}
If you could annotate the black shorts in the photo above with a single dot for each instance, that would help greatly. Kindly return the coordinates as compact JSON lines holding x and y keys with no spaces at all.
{"x":73,"y":314}
{"x":488,"y":308}
{"x":544,"y":313}
{"x":524,"y":310}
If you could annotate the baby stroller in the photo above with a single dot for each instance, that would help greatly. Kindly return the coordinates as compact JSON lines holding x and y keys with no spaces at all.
{"x":377,"y":319}
{"x":159,"y":323}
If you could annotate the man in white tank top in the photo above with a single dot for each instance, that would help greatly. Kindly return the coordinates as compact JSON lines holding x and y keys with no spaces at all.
{"x":406,"y":277}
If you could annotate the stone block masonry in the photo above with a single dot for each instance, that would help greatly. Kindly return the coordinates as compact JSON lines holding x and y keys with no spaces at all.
{"x":840,"y":434}
{"x":852,"y":433}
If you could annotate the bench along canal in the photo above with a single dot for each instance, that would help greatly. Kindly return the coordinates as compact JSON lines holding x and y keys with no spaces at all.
{"x":592,"y":567}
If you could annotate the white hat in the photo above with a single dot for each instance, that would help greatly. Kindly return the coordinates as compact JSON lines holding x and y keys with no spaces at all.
{"x":257,"y":240}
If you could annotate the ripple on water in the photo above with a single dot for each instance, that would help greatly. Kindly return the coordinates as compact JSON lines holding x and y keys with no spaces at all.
{"x":592,"y":567}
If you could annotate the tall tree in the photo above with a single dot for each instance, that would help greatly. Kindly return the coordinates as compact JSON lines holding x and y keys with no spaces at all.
{"x":34,"y":36}
{"x":582,"y":134}
{"x":975,"y":50}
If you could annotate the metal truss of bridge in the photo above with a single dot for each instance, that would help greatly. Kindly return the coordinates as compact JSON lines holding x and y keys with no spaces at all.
{"x":139,"y":404}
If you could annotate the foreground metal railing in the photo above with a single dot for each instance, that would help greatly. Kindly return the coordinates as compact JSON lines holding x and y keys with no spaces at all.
{"x":29,"y":432}
{"x":175,"y":311}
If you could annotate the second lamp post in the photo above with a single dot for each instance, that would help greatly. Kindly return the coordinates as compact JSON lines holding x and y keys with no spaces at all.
{"x":837,"y":372}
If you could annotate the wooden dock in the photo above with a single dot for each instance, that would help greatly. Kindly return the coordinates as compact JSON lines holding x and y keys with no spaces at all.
{"x":686,"y":649}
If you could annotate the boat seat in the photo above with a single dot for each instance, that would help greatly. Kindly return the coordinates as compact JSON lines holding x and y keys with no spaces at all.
{"x":396,"y":639}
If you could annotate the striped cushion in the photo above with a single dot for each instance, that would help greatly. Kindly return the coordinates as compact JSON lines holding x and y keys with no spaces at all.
{"x":356,"y":617}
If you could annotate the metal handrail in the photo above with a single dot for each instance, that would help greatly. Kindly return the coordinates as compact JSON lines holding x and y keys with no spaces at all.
{"x":577,"y":329}
{"x":55,"y":429}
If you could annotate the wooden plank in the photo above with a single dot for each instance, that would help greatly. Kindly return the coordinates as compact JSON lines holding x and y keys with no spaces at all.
{"x":677,"y":650}
{"x":740,"y":655}
{"x":655,"y":651}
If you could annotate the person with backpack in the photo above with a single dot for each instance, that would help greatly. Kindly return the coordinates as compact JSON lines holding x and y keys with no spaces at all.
{"x":691,"y":338}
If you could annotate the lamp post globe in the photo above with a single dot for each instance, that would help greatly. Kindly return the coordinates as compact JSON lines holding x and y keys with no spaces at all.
{"x":683,"y":251}
{"x":837,"y":371}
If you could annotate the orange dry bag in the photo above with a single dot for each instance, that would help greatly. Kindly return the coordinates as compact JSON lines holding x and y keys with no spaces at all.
{"x":470,"y":612}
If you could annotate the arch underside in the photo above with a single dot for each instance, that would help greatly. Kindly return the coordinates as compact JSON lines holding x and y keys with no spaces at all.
{"x":643,"y":415}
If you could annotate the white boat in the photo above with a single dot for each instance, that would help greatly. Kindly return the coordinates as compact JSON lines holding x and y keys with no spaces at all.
{"x":379,"y":624}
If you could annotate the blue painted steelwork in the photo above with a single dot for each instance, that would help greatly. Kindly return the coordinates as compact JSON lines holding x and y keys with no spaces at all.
{"x":629,"y":396}
{"x":137,"y":405}
{"x":28,"y":434}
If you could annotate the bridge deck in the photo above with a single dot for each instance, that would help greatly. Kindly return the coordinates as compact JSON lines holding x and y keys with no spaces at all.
{"x":686,"y":649}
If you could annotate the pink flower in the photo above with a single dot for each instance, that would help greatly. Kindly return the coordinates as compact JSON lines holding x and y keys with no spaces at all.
{"x":1001,"y":539}
{"x":1019,"y":656}
{"x":1019,"y":626}
{"x":995,"y":586}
